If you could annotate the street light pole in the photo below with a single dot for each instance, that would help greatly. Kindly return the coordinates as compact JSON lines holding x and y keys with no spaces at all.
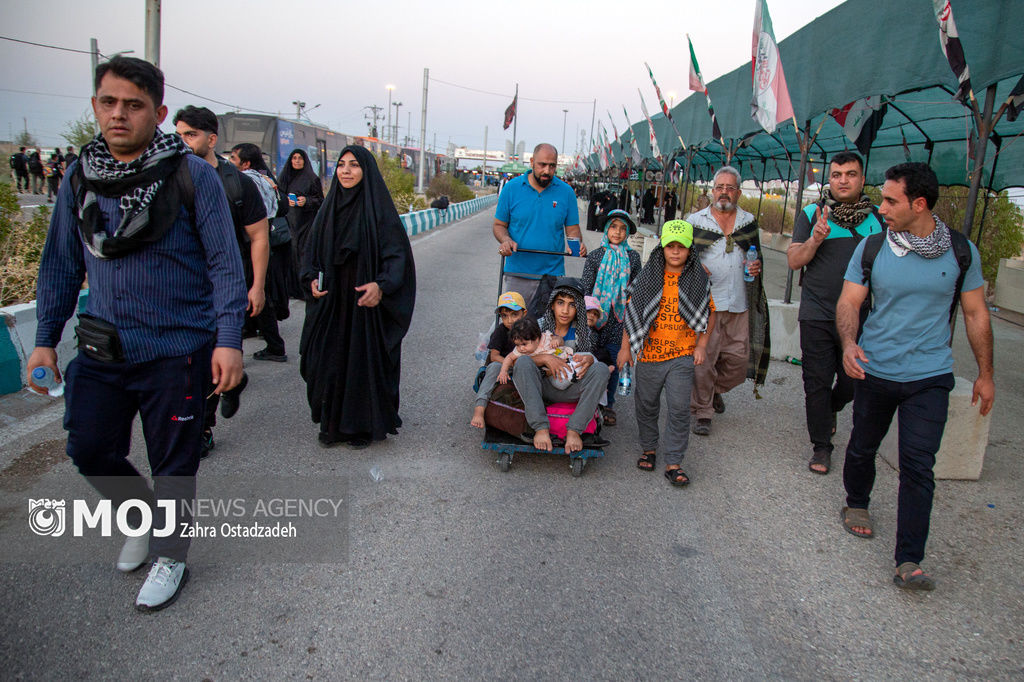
{"x":394,"y":136}
{"x":565,"y":115}
{"x":390,"y":88}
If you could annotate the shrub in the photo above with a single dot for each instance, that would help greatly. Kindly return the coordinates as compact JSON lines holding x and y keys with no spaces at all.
{"x":399,"y":181}
{"x":21,"y":246}
{"x":771,"y":217}
{"x":444,"y":184}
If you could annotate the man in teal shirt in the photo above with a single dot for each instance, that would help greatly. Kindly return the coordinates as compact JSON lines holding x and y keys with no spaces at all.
{"x":535,"y":211}
{"x":903,"y":361}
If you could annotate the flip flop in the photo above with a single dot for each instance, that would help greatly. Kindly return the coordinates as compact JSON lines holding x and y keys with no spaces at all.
{"x":854,"y":516}
{"x":905,"y":579}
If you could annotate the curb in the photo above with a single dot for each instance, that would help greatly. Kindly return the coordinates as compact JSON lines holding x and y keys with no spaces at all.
{"x":18,"y":338}
{"x":419,"y":222}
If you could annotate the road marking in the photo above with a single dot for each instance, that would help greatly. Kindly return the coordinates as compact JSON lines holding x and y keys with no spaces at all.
{"x":23,"y":427}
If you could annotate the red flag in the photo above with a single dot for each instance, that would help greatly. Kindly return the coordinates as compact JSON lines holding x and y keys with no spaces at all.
{"x":510,"y":112}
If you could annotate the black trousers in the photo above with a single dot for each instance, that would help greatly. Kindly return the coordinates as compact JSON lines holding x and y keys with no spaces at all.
{"x":921,"y":406}
{"x":101,"y":402}
{"x":822,"y":357}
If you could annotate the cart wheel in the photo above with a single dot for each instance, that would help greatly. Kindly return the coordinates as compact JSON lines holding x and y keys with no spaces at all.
{"x":505,"y":461}
{"x":577,"y":466}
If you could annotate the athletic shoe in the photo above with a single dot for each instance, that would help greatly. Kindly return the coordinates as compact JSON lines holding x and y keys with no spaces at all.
{"x":206,"y":443}
{"x":133,"y":554}
{"x":163,"y":585}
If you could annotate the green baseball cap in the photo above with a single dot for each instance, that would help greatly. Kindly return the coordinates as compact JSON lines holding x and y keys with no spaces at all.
{"x":677,"y":231}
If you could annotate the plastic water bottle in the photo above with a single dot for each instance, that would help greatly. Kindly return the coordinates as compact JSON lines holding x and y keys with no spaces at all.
{"x":625,"y":381}
{"x":43,"y":378}
{"x":751,"y":257}
{"x":376,"y":474}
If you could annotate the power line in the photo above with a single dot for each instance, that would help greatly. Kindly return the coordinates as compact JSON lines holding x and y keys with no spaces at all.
{"x":172,"y":87}
{"x":45,"y":94}
{"x":52,"y":47}
{"x":505,"y":95}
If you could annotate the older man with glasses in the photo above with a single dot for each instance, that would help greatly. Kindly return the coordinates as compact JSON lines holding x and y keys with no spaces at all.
{"x":739,"y":345}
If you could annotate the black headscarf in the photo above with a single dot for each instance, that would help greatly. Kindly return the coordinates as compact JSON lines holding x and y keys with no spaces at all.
{"x":362,"y":221}
{"x":297,"y":181}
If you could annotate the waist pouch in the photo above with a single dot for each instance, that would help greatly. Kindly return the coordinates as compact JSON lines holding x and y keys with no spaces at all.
{"x":98,"y":339}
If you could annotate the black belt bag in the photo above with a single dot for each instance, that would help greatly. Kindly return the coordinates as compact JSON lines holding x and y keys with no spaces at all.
{"x":98,"y":339}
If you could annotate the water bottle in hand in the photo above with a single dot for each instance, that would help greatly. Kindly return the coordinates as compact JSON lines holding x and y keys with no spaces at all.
{"x":625,"y":381}
{"x":43,"y":378}
{"x":751,"y":257}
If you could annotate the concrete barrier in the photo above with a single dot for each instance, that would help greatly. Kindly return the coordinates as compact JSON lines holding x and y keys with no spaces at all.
{"x":964,"y":440}
{"x":18,"y":338}
{"x":784,"y":329}
{"x":418,"y":222}
{"x":1010,"y":285}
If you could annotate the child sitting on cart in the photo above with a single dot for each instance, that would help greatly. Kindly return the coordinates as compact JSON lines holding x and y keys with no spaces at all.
{"x":565,"y":316}
{"x":511,"y":308}
{"x":530,"y":340}
{"x":669,"y":317}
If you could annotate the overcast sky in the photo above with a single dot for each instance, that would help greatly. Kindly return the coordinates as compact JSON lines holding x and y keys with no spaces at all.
{"x":342,"y":55}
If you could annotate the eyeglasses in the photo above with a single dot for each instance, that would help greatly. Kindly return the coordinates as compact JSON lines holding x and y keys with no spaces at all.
{"x":725,"y":188}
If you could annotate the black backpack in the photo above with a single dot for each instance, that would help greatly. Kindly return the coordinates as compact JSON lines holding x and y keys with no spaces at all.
{"x":231,"y":178}
{"x":961,"y":249}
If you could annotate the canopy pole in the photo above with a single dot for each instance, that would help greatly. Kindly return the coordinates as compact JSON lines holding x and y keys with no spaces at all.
{"x":991,"y":177}
{"x":760,"y":198}
{"x":984,"y":131}
{"x":805,"y":149}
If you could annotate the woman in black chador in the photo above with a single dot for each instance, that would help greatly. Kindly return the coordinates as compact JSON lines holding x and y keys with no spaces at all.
{"x":351,"y":343}
{"x":298,"y":178}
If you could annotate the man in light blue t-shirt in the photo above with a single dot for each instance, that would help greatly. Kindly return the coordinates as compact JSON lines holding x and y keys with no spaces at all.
{"x":535,"y":211}
{"x":902,"y":360}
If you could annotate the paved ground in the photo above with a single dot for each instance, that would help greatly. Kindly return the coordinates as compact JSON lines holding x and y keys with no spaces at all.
{"x":457,"y":570}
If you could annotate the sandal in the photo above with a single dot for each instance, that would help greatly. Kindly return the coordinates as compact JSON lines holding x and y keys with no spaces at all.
{"x":906,"y":579}
{"x":854,"y":516}
{"x":821,"y":458}
{"x":646,"y":461}
{"x":677,"y":477}
{"x":609,"y":416}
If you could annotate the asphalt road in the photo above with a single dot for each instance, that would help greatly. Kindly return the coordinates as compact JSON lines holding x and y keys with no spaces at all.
{"x":456,"y":570}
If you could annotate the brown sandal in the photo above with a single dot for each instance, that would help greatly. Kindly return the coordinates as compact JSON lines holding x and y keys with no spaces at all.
{"x":854,"y":516}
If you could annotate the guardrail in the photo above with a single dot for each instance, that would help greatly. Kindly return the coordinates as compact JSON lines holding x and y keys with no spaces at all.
{"x":18,"y":338}
{"x":424,"y":221}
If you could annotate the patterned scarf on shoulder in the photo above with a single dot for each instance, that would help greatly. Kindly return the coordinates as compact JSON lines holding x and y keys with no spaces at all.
{"x":932,"y":246}
{"x":135,"y":184}
{"x":648,"y":288}
{"x":847,"y":216}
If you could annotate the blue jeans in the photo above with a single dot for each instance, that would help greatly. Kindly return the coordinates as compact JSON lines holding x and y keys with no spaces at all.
{"x":922,"y":406}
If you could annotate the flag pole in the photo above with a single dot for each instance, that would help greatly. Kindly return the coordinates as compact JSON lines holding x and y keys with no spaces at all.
{"x":515,"y":123}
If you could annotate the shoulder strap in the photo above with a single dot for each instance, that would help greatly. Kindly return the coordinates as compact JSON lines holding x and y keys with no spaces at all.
{"x":187,"y":191}
{"x":229,"y":176}
{"x":872,"y":245}
{"x":962,"y":252}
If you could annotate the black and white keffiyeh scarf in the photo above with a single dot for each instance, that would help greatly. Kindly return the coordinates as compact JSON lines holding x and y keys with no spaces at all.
{"x":847,"y":216}
{"x":583,"y":343}
{"x":135,"y":184}
{"x":645,"y":298}
{"x":932,"y":246}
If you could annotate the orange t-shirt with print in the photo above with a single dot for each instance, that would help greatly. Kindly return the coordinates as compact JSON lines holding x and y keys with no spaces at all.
{"x":669,"y":337}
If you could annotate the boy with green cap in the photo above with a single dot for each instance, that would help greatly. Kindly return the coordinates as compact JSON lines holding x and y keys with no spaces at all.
{"x":669,"y":316}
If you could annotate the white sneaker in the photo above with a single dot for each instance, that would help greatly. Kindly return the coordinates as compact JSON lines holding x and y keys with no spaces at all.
{"x":133,"y":554}
{"x":163,"y":585}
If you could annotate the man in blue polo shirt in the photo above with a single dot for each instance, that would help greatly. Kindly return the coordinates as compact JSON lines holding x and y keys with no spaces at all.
{"x":535,"y":211}
{"x":902,"y":363}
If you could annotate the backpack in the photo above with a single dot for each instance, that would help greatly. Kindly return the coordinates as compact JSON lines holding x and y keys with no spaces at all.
{"x":961,"y":250}
{"x":230,"y":177}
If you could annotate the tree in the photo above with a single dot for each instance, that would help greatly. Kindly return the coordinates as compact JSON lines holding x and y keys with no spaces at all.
{"x":81,"y":131}
{"x":25,"y":139}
